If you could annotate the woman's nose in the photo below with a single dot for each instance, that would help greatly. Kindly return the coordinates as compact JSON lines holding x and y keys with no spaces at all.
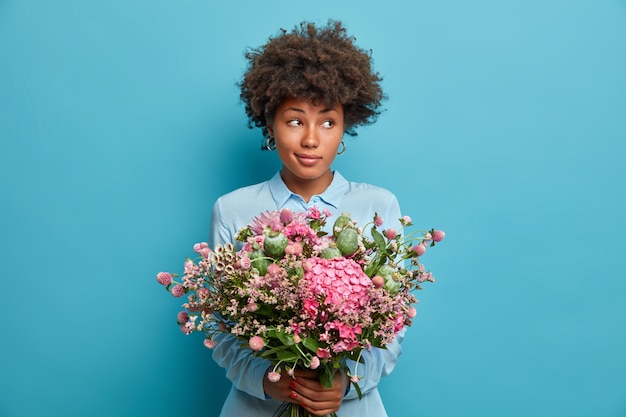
{"x":309,"y":138}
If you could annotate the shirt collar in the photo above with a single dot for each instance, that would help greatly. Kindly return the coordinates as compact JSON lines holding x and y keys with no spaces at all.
{"x":331,"y":196}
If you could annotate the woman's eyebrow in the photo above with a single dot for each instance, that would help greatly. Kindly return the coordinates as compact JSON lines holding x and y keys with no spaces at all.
{"x":299,"y":110}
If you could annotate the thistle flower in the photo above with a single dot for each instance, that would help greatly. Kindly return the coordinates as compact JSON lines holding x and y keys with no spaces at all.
{"x":419,"y":249}
{"x":178,"y":290}
{"x":390,"y":234}
{"x":256,"y":343}
{"x":378,"y":281}
{"x":273,"y":376}
{"x":438,"y":235}
{"x":286,"y":216}
{"x":315,"y":362}
{"x":164,"y":278}
{"x":182,"y":317}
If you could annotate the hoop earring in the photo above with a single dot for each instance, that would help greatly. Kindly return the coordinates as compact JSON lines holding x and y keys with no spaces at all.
{"x":270,"y":144}
{"x":343,"y":149}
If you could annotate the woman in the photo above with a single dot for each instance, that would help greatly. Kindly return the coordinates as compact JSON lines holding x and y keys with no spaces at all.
{"x":305,"y":89}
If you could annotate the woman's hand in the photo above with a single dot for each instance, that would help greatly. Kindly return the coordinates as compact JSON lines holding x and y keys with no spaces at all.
{"x":305,"y":388}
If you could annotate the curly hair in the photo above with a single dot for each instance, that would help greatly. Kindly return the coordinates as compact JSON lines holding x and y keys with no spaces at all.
{"x":322,"y":65}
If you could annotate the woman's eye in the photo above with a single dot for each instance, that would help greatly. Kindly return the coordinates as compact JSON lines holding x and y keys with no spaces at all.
{"x":328,"y":123}
{"x":294,"y":122}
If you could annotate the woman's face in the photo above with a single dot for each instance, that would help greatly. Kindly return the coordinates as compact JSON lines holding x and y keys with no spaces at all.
{"x":307,"y":137}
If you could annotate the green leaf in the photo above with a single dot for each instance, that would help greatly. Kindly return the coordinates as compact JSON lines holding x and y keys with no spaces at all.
{"x":327,"y":377}
{"x":357,"y":389}
{"x":286,"y":356}
{"x":379,"y":239}
{"x":311,"y":344}
{"x":287,"y":339}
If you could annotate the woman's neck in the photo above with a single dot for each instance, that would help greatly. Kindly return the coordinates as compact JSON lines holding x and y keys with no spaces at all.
{"x":307,"y":188}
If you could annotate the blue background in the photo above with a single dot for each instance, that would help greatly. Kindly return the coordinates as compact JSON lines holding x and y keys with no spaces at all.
{"x":505,"y":126}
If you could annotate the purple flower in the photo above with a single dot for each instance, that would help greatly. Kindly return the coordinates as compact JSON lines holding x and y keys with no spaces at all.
{"x":178,"y":290}
{"x":164,"y":278}
{"x":182,"y":317}
{"x":202,"y":293}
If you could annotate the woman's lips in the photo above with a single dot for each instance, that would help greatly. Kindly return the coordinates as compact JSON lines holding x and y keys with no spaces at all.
{"x":307,"y":160}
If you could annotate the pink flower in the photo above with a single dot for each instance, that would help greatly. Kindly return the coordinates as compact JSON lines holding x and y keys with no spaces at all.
{"x":286,"y":215}
{"x":341,"y":282}
{"x":378,"y":221}
{"x":178,"y":290}
{"x":256,"y":343}
{"x":398,"y":323}
{"x":378,"y":281}
{"x":406,"y":221}
{"x":294,"y":248}
{"x":419,"y":249}
{"x":198,"y":247}
{"x":164,"y":278}
{"x":186,"y":328}
{"x":274,"y":271}
{"x":244,"y":263}
{"x":390,"y":233}
{"x":354,"y":379}
{"x":182,"y":317}
{"x":438,"y":235}
{"x":209,"y":344}
{"x":315,"y":362}
{"x":314,"y":213}
{"x":411,"y":312}
{"x":273,"y":376}
{"x":310,"y":307}
{"x":323,"y":353}
{"x":267,"y":220}
{"x":202,"y":293}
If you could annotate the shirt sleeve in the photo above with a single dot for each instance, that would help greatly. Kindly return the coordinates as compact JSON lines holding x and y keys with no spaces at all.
{"x":243,"y":369}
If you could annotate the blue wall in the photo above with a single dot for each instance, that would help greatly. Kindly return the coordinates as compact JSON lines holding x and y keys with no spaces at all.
{"x":120,"y":125}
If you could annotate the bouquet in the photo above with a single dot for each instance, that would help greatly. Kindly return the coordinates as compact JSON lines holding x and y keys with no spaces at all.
{"x":301,"y":297}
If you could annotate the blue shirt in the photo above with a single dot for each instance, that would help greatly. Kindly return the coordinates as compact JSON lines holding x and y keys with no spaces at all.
{"x":234,"y":211}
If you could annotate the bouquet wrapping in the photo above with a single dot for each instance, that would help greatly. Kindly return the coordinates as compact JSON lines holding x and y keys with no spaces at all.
{"x":301,"y":297}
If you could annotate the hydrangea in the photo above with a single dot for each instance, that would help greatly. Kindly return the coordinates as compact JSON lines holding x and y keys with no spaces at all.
{"x":339,"y":282}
